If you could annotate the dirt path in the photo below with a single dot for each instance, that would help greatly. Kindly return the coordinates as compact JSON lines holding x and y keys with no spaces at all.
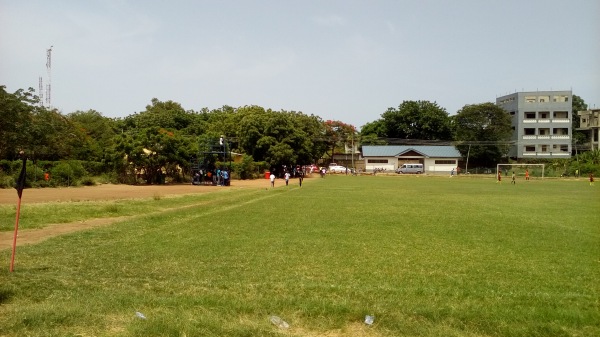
{"x":94,"y":193}
{"x":114,"y":192}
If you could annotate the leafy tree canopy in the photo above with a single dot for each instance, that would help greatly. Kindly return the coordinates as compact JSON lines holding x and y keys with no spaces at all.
{"x":485,"y":125}
{"x":417,"y":120}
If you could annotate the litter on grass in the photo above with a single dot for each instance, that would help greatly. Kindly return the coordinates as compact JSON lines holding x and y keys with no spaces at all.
{"x":278,"y":322}
{"x":369,"y":319}
{"x":140,"y":315}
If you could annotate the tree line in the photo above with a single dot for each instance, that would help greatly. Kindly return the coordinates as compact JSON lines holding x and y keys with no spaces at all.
{"x":165,"y":136}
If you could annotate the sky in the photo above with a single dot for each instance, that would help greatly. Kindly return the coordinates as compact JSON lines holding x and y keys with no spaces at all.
{"x":340,"y":60}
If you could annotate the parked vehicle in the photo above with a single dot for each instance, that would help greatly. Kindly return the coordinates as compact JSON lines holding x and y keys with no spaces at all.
{"x":410,"y":168}
{"x":338,"y":169}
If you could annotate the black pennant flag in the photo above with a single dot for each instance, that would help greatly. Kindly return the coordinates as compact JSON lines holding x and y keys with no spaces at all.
{"x":21,"y":181}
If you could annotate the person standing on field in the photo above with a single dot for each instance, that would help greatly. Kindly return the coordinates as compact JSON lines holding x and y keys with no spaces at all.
{"x":499,"y":181}
{"x":526,"y":174}
{"x":300,"y":178}
{"x":591,"y":179}
{"x":287,"y":178}
{"x":513,"y":179}
{"x":272,"y":178}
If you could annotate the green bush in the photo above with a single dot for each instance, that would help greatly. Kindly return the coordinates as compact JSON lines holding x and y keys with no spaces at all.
{"x":87,"y":181}
{"x":7,"y":181}
{"x":67,"y":173}
{"x":108,"y":178}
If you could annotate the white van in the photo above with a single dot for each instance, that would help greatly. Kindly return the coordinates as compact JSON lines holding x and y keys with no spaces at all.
{"x":410,"y":168}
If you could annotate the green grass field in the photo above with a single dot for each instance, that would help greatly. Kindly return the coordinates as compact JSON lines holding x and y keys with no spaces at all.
{"x":427,"y":256}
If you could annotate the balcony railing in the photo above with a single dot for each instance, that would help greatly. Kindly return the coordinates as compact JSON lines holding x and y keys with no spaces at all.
{"x":546,"y":120}
{"x":553,"y":154}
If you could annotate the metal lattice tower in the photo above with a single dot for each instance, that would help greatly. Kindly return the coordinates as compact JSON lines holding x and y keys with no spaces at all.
{"x":41,"y":91}
{"x":49,"y":70}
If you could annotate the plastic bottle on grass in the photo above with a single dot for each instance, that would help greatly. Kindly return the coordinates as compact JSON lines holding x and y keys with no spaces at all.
{"x":278,"y":322}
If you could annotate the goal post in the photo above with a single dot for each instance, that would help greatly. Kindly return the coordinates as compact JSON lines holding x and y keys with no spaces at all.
{"x":534,"y":170}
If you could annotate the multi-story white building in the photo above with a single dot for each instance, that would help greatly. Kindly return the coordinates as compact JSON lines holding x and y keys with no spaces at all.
{"x":541,"y":123}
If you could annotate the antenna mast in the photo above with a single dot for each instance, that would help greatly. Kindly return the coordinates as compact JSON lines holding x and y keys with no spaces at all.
{"x":41,"y":92}
{"x":49,"y":70}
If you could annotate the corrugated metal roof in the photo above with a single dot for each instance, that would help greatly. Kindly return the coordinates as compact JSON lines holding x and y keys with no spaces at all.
{"x":432,"y":151}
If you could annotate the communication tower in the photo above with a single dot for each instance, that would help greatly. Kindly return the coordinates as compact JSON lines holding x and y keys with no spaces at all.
{"x":49,"y":70}
{"x":41,"y":92}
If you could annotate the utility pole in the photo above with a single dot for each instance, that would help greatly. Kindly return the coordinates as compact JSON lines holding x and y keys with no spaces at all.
{"x":467,"y":164}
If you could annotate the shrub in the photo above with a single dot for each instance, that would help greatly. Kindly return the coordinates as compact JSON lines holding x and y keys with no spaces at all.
{"x":67,"y":173}
{"x":87,"y":181}
{"x":7,"y":181}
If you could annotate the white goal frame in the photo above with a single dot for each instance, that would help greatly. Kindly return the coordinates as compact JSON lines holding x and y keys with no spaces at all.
{"x":526,"y":165}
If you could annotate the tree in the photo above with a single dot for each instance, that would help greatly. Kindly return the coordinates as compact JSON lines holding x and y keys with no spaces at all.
{"x":417,"y":120}
{"x":99,"y":132}
{"x":371,"y":133}
{"x":337,"y":134}
{"x":167,"y":115}
{"x":579,"y":137}
{"x":154,"y":153}
{"x":279,"y":138}
{"x":16,"y":111}
{"x":55,"y":137}
{"x":488,"y":127}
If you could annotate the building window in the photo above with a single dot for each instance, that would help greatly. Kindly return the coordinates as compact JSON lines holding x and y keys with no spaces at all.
{"x":529,"y":131}
{"x":544,"y":132}
{"x":444,"y":161}
{"x":530,"y":115}
{"x":561,"y":98}
{"x":544,"y":99}
{"x":530,"y":99}
{"x":560,"y":131}
{"x":561,"y":114}
{"x":530,"y":148}
{"x":544,"y":114}
{"x":544,"y":148}
{"x":512,"y":113}
{"x":377,"y":161}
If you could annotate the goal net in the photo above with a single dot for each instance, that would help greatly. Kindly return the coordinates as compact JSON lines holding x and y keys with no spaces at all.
{"x":535,"y":171}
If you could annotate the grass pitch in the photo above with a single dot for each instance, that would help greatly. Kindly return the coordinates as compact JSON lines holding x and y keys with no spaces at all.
{"x":427,"y":256}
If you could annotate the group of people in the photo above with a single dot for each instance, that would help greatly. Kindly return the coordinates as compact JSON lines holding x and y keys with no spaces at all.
{"x":513,"y":178}
{"x":287,"y":177}
{"x":217,"y":177}
{"x":457,"y":171}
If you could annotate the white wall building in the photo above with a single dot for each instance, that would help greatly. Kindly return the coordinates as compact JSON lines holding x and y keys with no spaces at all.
{"x":435,"y":159}
{"x":541,"y":122}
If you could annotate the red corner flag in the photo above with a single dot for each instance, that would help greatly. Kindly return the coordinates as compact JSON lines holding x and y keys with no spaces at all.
{"x":20,"y":186}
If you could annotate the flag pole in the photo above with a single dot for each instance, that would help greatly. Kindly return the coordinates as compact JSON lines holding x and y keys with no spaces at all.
{"x":20,"y":186}
{"x":14,"y":247}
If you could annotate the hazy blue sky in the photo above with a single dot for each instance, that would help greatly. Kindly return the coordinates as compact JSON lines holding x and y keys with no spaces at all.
{"x":343,"y":60}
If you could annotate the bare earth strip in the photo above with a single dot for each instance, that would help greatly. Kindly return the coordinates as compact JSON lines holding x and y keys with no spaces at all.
{"x":94,"y":193}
